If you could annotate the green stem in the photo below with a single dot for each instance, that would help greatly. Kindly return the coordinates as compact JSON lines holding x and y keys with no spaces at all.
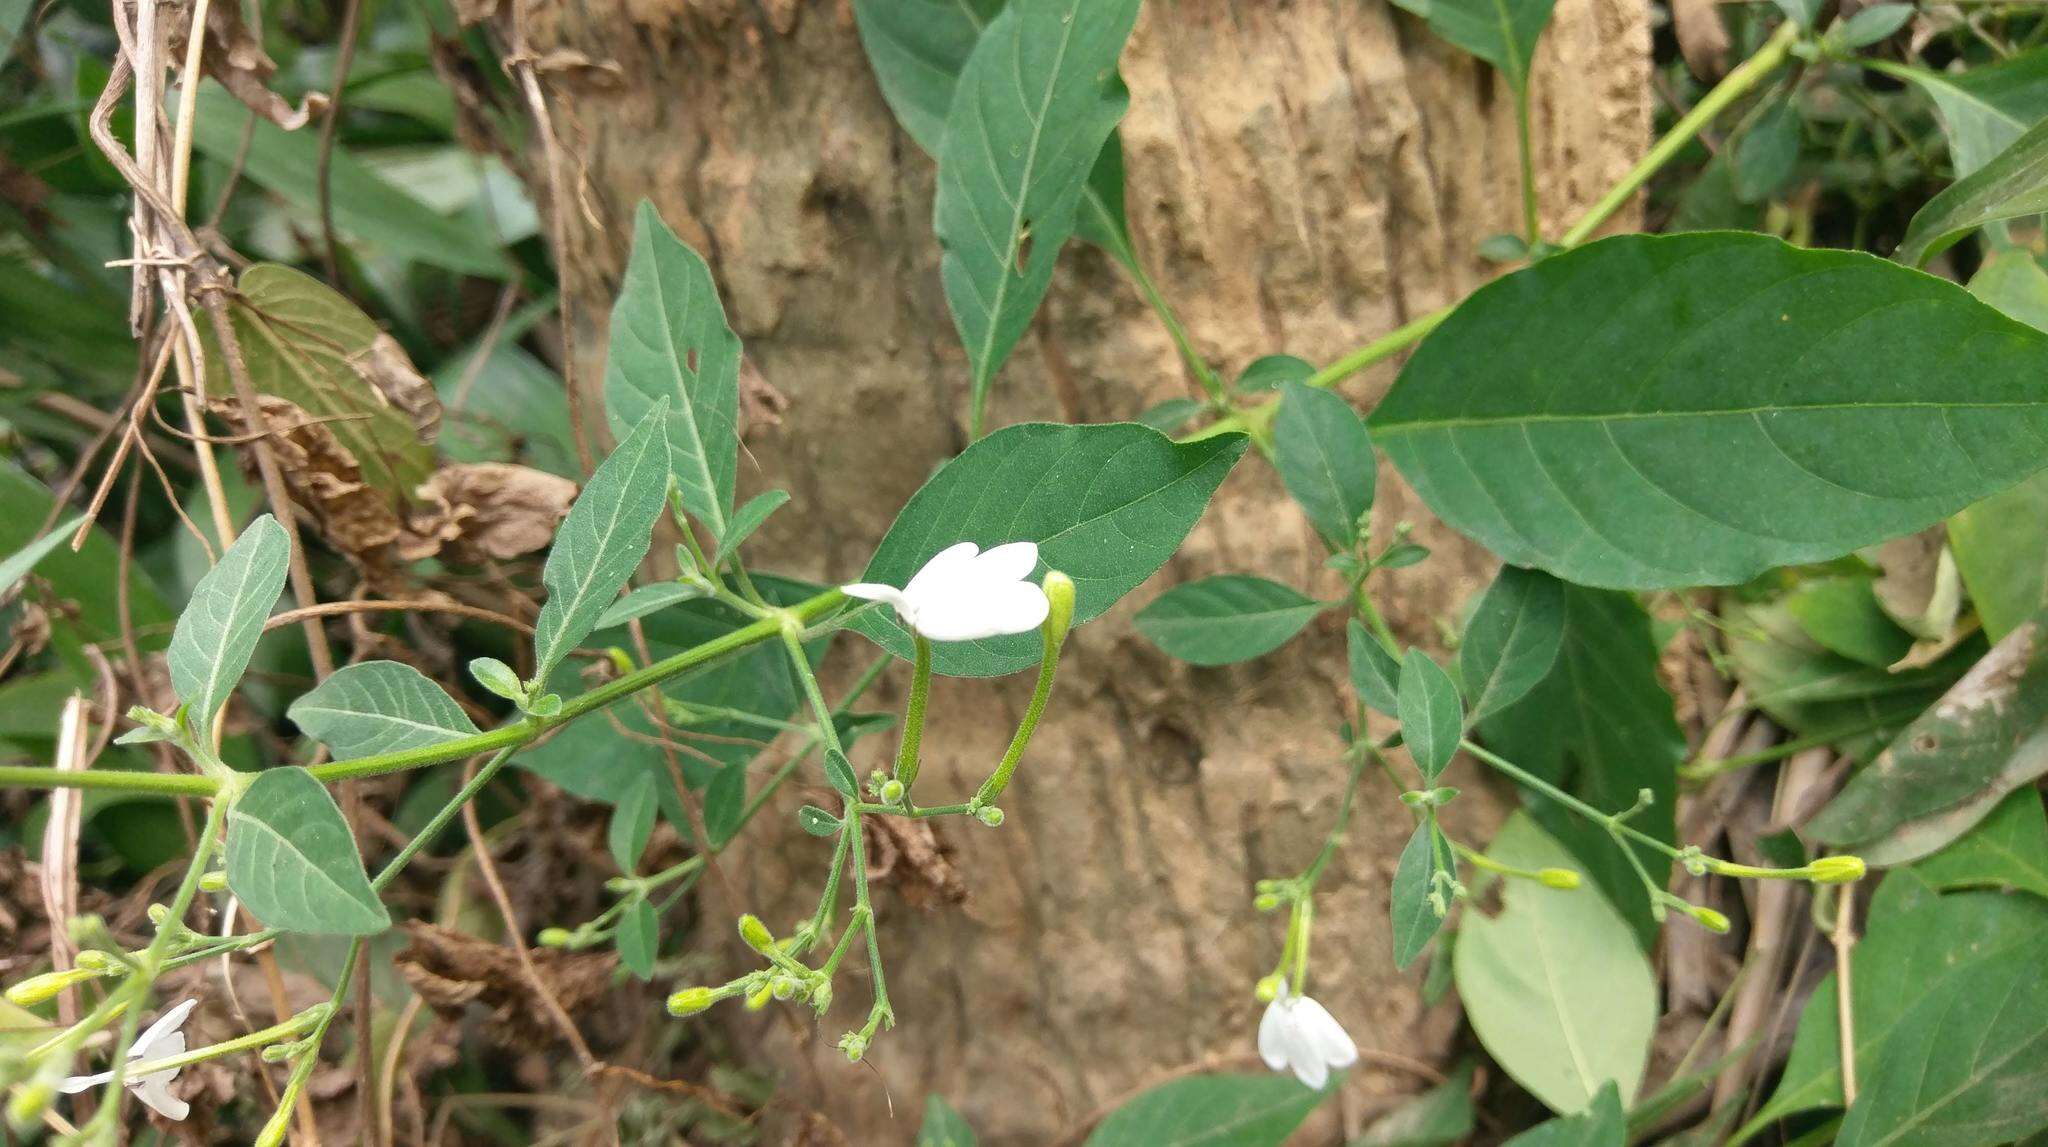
{"x":447,"y":813}
{"x":1204,"y":376}
{"x":274,"y":1131}
{"x":1531,"y":233}
{"x":1336,"y":834}
{"x":1048,"y":663}
{"x":1606,"y":820}
{"x":912,"y":743}
{"x":1703,"y":770}
{"x":161,"y":784}
{"x":272,"y":1034}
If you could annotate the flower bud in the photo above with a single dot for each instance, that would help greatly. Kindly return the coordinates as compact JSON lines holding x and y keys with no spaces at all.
{"x":274,"y":1131}
{"x":1709,"y":919}
{"x":215,"y":881}
{"x":892,"y":791}
{"x":37,"y":989}
{"x":94,"y":960}
{"x":553,"y":938}
{"x":1059,"y":593}
{"x":756,"y":934}
{"x":29,"y":1101}
{"x":783,"y":987}
{"x":854,"y":1045}
{"x":990,"y":816}
{"x":1836,"y":870}
{"x":158,"y":913}
{"x":1563,"y":879}
{"x":690,"y":1001}
{"x":821,"y":996}
{"x":1266,"y":901}
{"x":760,"y":998}
{"x":1268,"y":988}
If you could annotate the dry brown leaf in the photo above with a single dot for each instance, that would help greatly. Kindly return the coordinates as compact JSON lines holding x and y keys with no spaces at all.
{"x":451,"y":971}
{"x":390,"y":372}
{"x":920,"y":863}
{"x":323,"y":477}
{"x":1702,"y":38}
{"x":236,"y":58}
{"x":487,"y":510}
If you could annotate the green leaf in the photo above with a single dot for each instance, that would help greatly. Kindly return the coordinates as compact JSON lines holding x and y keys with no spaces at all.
{"x":1416,"y":915}
{"x":1169,"y":416}
{"x":19,"y":564}
{"x":1767,"y":153}
{"x":917,"y":48}
{"x":2011,"y":184}
{"x":725,"y":804}
{"x":632,"y":823}
{"x":1035,"y":102}
{"x":639,"y":939}
{"x":817,"y":821}
{"x":1501,"y":32}
{"x":293,"y":862}
{"x":1107,"y":505}
{"x":1439,"y":1117}
{"x":1555,"y":985}
{"x":1432,"y":716}
{"x":306,"y":343}
{"x":745,"y":520}
{"x":379,"y":707}
{"x":1601,"y":726}
{"x":1800,"y":12}
{"x":2001,"y":543}
{"x":1916,"y":943}
{"x":1953,"y":765}
{"x":1735,"y":404}
{"x":1984,"y":107}
{"x":1101,"y":220}
{"x":1325,"y":457}
{"x":1870,"y":25}
{"x":1237,"y":1110}
{"x":512,"y":410}
{"x":1512,"y":639}
{"x":1966,"y":1065}
{"x":602,"y":540}
{"x":643,"y":600}
{"x":839,"y":773}
{"x":1600,"y":1125}
{"x":217,"y":633}
{"x":670,"y":342}
{"x":943,"y":1126}
{"x":365,"y":206}
{"x":1842,"y":615}
{"x":2008,"y":850}
{"x":1273,"y":372}
{"x":88,"y":579}
{"x":1374,"y":672}
{"x":1226,"y":619}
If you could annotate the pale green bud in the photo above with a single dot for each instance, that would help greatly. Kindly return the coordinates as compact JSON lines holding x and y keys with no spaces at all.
{"x":1267,"y":901}
{"x":760,"y":998}
{"x":215,"y":881}
{"x":29,"y":1101}
{"x":783,"y":987}
{"x":690,"y":1001}
{"x":1837,"y":870}
{"x":854,"y":1045}
{"x":1059,"y":593}
{"x":1563,"y":879}
{"x":553,"y":938}
{"x":1268,"y":988}
{"x":1709,"y":919}
{"x":990,"y":816}
{"x":756,"y":934}
{"x":37,"y":989}
{"x":94,"y":960}
{"x":892,"y":791}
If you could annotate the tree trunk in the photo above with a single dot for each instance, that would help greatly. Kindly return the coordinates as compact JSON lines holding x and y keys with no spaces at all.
{"x":1303,"y":177}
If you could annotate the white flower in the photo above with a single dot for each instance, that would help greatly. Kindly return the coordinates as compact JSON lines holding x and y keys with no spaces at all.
{"x":162,"y":1040}
{"x":964,"y":594}
{"x":1299,"y":1035}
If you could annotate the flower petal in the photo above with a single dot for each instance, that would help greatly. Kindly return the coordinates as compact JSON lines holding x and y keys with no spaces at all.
{"x":156,"y":1092}
{"x":145,"y":1045}
{"x":949,"y":565}
{"x":1272,"y":1036}
{"x":871,"y":591}
{"x":1308,"y":1066}
{"x":1010,"y":562}
{"x":72,"y":1085}
{"x":969,"y":613}
{"x":1333,"y":1046}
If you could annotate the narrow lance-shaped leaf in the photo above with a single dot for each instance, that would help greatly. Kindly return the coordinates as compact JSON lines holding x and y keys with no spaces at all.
{"x":1227,"y":619}
{"x":1107,"y":505}
{"x":2012,"y":184}
{"x":379,"y":707}
{"x":20,"y":563}
{"x":1432,"y":717}
{"x":1325,"y":457}
{"x":632,"y":823}
{"x":602,"y":539}
{"x":293,"y":862}
{"x":1036,"y":99}
{"x":643,"y":600}
{"x":639,"y":939}
{"x":1418,"y":904}
{"x":1658,"y":412}
{"x":1984,"y":108}
{"x":670,"y":343}
{"x":217,"y":633}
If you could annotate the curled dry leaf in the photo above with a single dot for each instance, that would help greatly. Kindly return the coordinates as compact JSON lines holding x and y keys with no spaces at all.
{"x":323,"y":476}
{"x":235,"y":57}
{"x":919,"y":862}
{"x":451,"y":970}
{"x":390,"y":372}
{"x":761,"y":405}
{"x":487,"y":511}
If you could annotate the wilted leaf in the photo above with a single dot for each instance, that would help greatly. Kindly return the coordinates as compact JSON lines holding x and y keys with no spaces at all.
{"x":293,"y":862}
{"x":323,"y":476}
{"x":1985,"y":738}
{"x":390,"y":372}
{"x":235,"y":57}
{"x":1555,"y":985}
{"x":1738,"y":404}
{"x":487,"y":511}
{"x":452,"y":971}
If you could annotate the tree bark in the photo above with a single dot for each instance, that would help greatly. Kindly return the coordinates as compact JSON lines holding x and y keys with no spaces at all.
{"x":1303,"y":177}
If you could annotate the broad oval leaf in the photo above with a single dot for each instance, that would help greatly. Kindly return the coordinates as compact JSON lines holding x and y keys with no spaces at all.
{"x":817,"y":821}
{"x":379,"y":707}
{"x":1036,"y":100}
{"x":1374,"y":672}
{"x":1325,"y":457}
{"x":1226,"y":619}
{"x":670,"y":346}
{"x":602,"y":540}
{"x":1240,"y":1110}
{"x":2012,"y":184}
{"x":217,"y":633}
{"x":1555,"y":985}
{"x":1657,"y":412}
{"x":1107,"y":505}
{"x":839,"y":773}
{"x":293,"y":862}
{"x":1432,"y":716}
{"x":1416,"y":914}
{"x":917,"y":48}
{"x":1512,"y":639}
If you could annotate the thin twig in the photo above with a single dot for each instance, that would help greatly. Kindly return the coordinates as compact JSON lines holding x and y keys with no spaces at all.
{"x":344,"y":58}
{"x":423,"y":605}
{"x":1845,"y":997}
